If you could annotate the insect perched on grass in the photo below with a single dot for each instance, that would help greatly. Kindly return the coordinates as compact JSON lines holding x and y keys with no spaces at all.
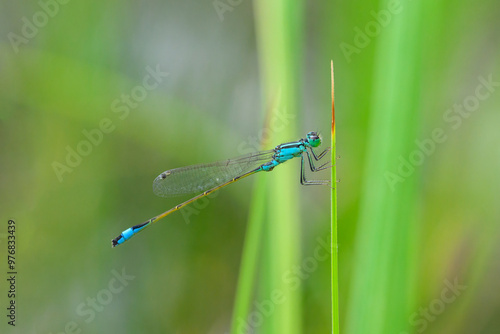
{"x":207,"y":178}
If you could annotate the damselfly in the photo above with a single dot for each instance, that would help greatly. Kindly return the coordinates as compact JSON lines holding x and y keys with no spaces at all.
{"x":207,"y":178}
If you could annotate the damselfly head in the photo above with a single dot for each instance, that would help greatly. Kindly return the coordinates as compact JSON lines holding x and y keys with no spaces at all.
{"x":313,"y":139}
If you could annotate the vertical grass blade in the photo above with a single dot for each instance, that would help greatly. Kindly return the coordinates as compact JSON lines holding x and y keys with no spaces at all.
{"x":278,"y":32}
{"x":381,"y":295}
{"x":249,"y":261}
{"x":335,"y":265}
{"x":273,"y":231}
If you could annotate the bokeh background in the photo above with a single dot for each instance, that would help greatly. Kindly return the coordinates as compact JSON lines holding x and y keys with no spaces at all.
{"x":65,"y":70}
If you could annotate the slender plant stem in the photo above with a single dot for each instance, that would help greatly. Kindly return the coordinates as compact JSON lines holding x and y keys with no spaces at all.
{"x":335,"y":264}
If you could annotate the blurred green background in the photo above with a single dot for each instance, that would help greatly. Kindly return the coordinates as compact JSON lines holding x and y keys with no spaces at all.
{"x":66,"y":70}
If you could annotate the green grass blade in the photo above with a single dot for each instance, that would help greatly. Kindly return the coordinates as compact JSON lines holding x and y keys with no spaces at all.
{"x":249,"y":262}
{"x":278,"y":26}
{"x":335,"y":264}
{"x":381,"y":295}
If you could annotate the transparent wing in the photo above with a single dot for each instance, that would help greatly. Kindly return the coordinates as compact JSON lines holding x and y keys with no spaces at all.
{"x":198,"y":178}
